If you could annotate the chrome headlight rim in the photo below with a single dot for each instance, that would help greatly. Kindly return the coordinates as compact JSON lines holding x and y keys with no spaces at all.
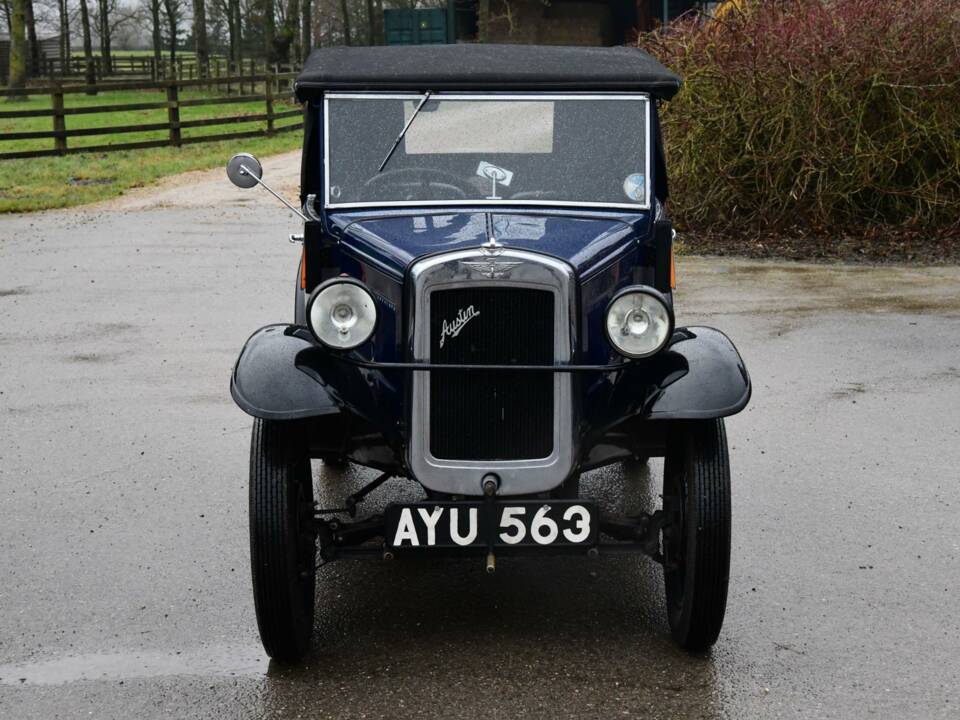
{"x":642,"y":290}
{"x":326,"y":285}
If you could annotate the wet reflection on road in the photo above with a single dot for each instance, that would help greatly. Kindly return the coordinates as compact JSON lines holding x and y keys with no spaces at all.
{"x":441,"y":633}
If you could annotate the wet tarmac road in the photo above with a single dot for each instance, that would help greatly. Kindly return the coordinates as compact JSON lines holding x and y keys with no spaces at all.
{"x":123,"y":556}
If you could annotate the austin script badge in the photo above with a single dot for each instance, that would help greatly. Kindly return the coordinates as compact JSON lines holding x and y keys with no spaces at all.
{"x":453,"y":329}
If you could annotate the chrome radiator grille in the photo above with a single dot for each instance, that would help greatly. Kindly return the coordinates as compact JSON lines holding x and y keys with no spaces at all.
{"x":491,"y":306}
{"x":496,"y":414}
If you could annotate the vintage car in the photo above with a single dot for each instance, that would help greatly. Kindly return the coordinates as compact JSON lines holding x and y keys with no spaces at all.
{"x":484,"y":307}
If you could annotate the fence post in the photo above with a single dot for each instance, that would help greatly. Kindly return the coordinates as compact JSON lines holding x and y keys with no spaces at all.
{"x":173,"y":113}
{"x":268,"y":94}
{"x":59,"y":126}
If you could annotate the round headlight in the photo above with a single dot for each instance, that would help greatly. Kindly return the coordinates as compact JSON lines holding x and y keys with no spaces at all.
{"x":342,"y":314}
{"x":639,"y":322}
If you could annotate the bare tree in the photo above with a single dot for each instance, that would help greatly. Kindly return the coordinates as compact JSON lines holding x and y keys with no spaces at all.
{"x":236,"y":33}
{"x":371,"y":24}
{"x":64,"y":12}
{"x":90,"y":72}
{"x":292,"y":27}
{"x":269,"y":29}
{"x":173,"y":14}
{"x":33,"y":66}
{"x":7,"y":12}
{"x":16,"y":17}
{"x":286,"y":44}
{"x":345,"y":13}
{"x":157,"y":42}
{"x":483,"y":21}
{"x":306,"y":28}
{"x":200,"y":36}
{"x":110,"y":16}
{"x":105,"y":32}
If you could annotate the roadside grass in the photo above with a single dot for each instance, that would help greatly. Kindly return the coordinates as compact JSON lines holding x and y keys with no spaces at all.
{"x":54,"y":182}
{"x":59,"y":182}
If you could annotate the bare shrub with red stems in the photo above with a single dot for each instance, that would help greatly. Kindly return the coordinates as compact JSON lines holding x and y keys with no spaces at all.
{"x":816,"y":117}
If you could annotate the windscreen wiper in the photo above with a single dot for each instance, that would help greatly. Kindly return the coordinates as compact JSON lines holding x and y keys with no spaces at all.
{"x":426,"y":96}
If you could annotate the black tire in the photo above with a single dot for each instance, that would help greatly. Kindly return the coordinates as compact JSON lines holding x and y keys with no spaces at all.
{"x":696,"y":537}
{"x":282,"y":543}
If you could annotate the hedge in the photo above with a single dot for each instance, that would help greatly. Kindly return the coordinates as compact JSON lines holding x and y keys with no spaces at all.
{"x":824,"y":116}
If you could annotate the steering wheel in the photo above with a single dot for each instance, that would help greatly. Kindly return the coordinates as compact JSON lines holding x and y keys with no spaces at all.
{"x":409,"y":179}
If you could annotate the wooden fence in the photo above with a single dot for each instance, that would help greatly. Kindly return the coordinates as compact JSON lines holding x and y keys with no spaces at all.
{"x":146,"y":67}
{"x":172,"y":103}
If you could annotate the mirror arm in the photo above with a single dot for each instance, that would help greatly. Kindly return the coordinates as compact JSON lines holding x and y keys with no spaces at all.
{"x":246,"y":171}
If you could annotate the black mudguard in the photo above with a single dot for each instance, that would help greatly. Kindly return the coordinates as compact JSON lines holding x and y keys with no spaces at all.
{"x":700,"y":375}
{"x":267,"y":383}
{"x":282,"y":375}
{"x":330,"y":406}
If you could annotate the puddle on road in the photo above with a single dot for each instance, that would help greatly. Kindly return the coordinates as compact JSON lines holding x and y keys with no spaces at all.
{"x":217,"y":661}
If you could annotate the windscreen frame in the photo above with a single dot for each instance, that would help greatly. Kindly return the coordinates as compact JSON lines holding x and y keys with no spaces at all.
{"x":483,"y":202}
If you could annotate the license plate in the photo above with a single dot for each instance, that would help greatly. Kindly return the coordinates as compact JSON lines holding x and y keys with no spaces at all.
{"x":471,"y":524}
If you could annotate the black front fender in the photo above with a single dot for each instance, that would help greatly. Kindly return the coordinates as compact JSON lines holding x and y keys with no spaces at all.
{"x":281,"y":375}
{"x":699,"y":376}
{"x":267,"y":383}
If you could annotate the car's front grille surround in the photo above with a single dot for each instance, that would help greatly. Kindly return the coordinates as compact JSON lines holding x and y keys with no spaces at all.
{"x":519,"y":463}
{"x":498,"y":415}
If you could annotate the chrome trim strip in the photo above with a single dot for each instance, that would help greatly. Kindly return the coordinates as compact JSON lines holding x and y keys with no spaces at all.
{"x":463,"y":477}
{"x":481,"y":95}
{"x":488,"y":203}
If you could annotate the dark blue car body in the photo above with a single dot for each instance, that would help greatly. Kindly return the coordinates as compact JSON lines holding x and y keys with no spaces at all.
{"x":490,"y":349}
{"x":350,"y":407}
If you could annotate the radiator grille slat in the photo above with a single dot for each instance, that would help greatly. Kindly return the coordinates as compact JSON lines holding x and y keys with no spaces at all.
{"x":492,"y":415}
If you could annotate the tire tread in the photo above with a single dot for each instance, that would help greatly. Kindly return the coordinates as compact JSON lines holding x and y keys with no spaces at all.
{"x":705,"y":461}
{"x":285,"y":623}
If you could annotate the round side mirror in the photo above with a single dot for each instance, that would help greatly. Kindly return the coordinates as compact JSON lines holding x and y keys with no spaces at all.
{"x":244,"y":170}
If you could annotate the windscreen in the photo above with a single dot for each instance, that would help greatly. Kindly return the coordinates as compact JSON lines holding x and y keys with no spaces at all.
{"x":487,"y":149}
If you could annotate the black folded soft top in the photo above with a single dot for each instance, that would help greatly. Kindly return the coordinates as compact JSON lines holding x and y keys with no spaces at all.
{"x":484,"y":67}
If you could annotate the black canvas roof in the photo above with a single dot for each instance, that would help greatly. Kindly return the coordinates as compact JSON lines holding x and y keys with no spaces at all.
{"x":484,"y":67}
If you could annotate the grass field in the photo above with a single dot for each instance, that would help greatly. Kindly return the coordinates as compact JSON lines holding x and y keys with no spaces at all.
{"x":44,"y":183}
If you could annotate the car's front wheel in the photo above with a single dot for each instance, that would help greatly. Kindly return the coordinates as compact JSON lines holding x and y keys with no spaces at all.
{"x":696,"y":535}
{"x":282,"y":543}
